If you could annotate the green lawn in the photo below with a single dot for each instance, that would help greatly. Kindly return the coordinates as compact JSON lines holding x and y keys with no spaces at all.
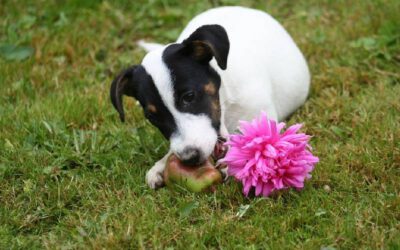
{"x":72,"y":175}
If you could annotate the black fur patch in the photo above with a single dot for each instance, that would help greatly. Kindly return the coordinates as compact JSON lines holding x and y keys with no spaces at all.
{"x":190,"y":75}
{"x":139,"y":84}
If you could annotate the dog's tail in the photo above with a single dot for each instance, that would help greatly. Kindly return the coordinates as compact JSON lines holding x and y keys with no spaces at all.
{"x":149,"y":46}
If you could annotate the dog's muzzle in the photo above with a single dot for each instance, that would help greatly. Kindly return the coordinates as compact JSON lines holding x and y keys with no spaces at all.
{"x":192,"y":156}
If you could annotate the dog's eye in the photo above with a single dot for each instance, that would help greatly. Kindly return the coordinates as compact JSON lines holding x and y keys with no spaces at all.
{"x":188,"y":97}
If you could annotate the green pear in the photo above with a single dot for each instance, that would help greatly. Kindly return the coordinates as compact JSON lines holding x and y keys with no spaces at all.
{"x":192,"y":178}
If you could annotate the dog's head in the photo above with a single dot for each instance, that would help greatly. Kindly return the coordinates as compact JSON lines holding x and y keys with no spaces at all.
{"x":179,"y":91}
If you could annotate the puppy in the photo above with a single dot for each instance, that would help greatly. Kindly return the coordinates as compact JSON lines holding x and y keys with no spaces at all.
{"x":228,"y":64}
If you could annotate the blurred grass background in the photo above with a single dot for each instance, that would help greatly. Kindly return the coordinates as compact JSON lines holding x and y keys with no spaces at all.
{"x":72,"y":176}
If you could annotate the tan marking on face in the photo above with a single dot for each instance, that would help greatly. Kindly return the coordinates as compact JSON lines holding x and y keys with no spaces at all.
{"x":216,"y":110}
{"x":152,"y":108}
{"x":209,"y":88}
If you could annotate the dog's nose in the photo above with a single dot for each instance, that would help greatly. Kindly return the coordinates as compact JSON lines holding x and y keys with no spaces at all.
{"x":191,"y":156}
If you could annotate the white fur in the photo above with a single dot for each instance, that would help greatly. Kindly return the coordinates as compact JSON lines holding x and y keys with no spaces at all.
{"x":149,"y":46}
{"x":195,"y":131}
{"x":265,"y":71}
{"x":154,"y":177}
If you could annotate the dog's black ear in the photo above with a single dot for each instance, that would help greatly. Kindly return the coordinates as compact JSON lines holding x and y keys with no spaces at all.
{"x":207,"y":42}
{"x":123,"y":84}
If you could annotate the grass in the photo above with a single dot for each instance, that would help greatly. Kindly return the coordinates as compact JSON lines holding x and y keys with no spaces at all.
{"x":72,"y":176}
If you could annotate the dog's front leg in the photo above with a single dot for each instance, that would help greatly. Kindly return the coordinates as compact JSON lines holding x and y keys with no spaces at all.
{"x":154,"y":176}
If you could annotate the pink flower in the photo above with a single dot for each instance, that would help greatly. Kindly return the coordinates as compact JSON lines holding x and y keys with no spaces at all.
{"x":267,"y":159}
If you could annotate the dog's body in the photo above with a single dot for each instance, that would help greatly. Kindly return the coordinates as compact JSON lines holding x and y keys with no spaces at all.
{"x":244,"y":61}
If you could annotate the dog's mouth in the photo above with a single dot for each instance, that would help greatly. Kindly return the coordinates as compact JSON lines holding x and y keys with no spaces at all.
{"x":220,"y":149}
{"x":219,"y":152}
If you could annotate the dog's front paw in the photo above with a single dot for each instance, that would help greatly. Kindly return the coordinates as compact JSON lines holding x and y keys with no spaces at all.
{"x":224,"y":173}
{"x":154,"y":177}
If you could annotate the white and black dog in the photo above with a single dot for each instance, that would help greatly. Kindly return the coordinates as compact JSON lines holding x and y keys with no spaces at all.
{"x":228,"y":64}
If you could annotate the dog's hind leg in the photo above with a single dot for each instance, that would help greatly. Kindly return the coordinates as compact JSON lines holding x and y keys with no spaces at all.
{"x":149,"y":46}
{"x":155,"y":176}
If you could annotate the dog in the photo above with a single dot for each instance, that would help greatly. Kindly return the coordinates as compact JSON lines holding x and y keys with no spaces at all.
{"x":228,"y":64}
